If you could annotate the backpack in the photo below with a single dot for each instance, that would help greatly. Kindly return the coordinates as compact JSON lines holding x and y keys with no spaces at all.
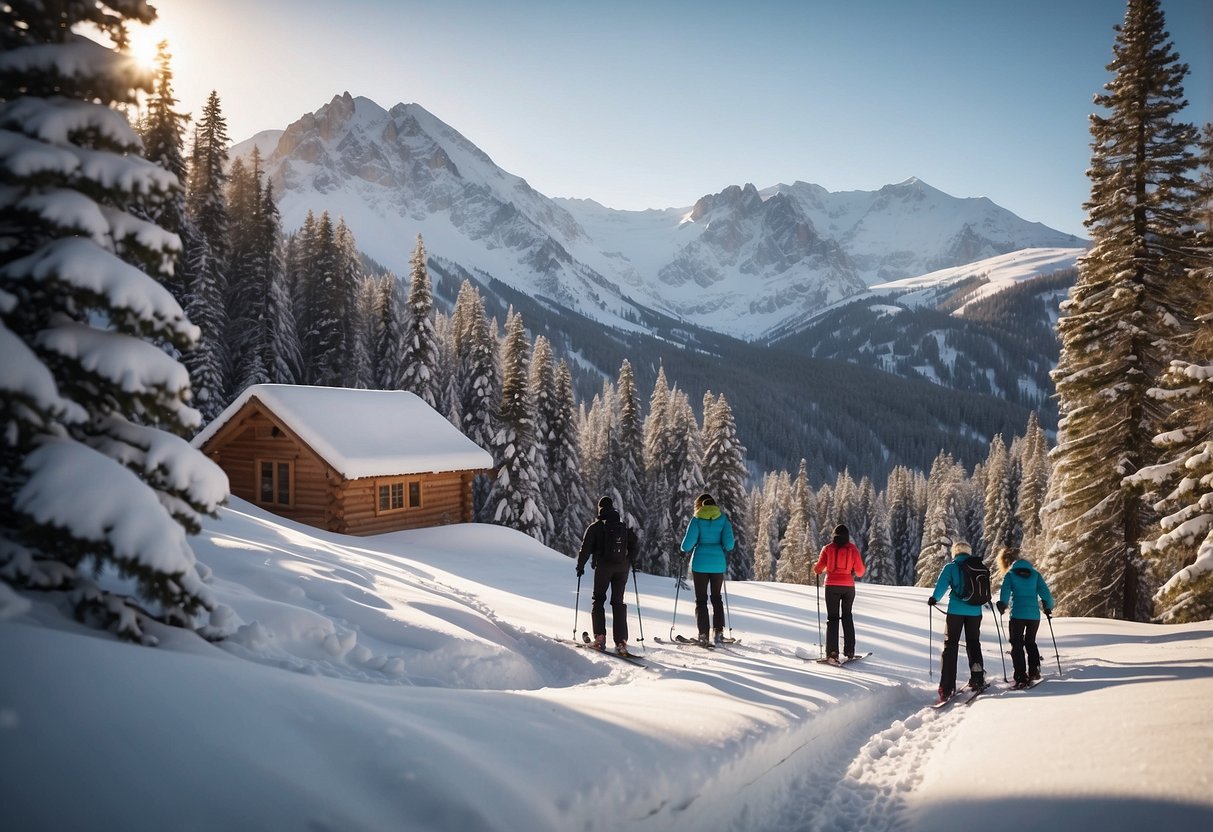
{"x":976,"y":576}
{"x":616,"y":546}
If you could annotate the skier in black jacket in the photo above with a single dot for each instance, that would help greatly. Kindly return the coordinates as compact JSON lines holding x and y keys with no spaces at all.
{"x":610,"y":547}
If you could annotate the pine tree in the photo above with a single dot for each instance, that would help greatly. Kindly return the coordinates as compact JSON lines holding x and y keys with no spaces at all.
{"x":515,"y":498}
{"x":1180,"y":486}
{"x":724,"y":475}
{"x":208,"y":361}
{"x":281,"y":352}
{"x":662,"y":535}
{"x":945,"y":518}
{"x":89,"y":397}
{"x":420,"y":362}
{"x":878,"y":554}
{"x":764,"y":561}
{"x":1120,"y":324}
{"x":387,"y":344}
{"x":685,"y":448}
{"x":905,"y":523}
{"x":795,"y":559}
{"x":573,"y":511}
{"x":164,"y":143}
{"x":353,"y":355}
{"x":998,"y":529}
{"x":625,"y":453}
{"x":480,"y":383}
{"x":1034,"y":482}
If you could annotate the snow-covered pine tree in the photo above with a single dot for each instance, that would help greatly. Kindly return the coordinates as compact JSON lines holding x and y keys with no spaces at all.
{"x":387,"y":345}
{"x":724,"y":476}
{"x":625,"y":453}
{"x":685,"y":448}
{"x":355,"y":329}
{"x":480,"y":383}
{"x":1181,"y":485}
{"x":96,"y":480}
{"x":163,"y":134}
{"x":249,"y":272}
{"x":564,"y":467}
{"x":208,"y":362}
{"x":945,"y":521}
{"x":515,"y":498}
{"x":1120,"y":324}
{"x":1035,"y":470}
{"x":281,"y":353}
{"x":998,"y":527}
{"x":545,"y":413}
{"x":420,"y":360}
{"x":795,"y":560}
{"x":662,"y":534}
{"x":764,"y":561}
{"x":878,"y":555}
{"x":905,"y":516}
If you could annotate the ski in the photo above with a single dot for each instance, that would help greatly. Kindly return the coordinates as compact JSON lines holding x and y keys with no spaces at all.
{"x":943,"y":703}
{"x":843,"y":662}
{"x":587,"y":643}
{"x":1028,"y":686}
{"x":978,"y":693}
{"x":693,"y":642}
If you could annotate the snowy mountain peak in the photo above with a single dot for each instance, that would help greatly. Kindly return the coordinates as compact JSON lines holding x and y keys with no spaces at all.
{"x":742,"y":261}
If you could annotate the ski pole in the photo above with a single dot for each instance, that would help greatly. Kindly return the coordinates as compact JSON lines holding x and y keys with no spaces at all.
{"x":639,"y":620}
{"x":677,"y":586}
{"x":1056,"y":654}
{"x":576,"y":607}
{"x":728,"y":614}
{"x":821,"y":649}
{"x":1001,"y":652}
{"x":931,"y":642}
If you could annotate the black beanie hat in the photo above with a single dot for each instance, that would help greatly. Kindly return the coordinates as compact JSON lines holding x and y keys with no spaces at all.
{"x":605,"y":502}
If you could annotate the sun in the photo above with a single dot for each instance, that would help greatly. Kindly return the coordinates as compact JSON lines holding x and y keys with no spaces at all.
{"x":142,"y":43}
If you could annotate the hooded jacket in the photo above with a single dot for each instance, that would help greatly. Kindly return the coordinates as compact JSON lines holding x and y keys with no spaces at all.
{"x":593,"y":542}
{"x":839,"y":561}
{"x":1021,"y":586}
{"x":709,"y":535}
{"x":953,"y":580}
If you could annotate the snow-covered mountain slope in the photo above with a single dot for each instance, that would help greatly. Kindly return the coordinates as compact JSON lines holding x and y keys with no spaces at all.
{"x":413,"y":681}
{"x":742,"y":262}
{"x":994,"y":273}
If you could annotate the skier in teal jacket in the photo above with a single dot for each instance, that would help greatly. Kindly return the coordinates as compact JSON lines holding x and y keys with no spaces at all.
{"x":709,"y":536}
{"x":1022,"y":585}
{"x":961,"y":616}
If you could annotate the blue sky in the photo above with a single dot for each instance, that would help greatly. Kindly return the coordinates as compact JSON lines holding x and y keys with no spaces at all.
{"x":653,"y":104}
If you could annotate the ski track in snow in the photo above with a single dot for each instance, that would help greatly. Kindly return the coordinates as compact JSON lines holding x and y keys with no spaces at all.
{"x":850,"y":766}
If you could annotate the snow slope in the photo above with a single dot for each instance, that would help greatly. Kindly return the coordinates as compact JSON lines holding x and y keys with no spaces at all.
{"x":413,"y":681}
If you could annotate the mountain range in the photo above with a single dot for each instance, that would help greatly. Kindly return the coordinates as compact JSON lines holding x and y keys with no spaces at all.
{"x":742,"y":262}
{"x":868,"y":312}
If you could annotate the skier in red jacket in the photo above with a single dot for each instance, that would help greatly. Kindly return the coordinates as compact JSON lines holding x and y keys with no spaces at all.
{"x":842,"y":563}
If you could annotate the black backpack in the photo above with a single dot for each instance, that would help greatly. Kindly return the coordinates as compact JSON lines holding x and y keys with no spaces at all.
{"x":976,"y":575}
{"x":616,"y":544}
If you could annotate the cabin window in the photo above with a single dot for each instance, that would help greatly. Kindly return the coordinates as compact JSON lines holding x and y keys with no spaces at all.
{"x":397,"y":495}
{"x":275,"y":482}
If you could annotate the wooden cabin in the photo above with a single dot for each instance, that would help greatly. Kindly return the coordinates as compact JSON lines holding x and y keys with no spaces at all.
{"x":351,"y":461}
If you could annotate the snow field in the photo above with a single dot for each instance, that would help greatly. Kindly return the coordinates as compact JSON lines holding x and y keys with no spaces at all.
{"x":415,"y":681}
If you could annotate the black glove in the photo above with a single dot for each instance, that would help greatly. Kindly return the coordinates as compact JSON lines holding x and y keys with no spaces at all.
{"x":932,"y":601}
{"x":1048,"y":611}
{"x":580,"y":570}
{"x":1002,"y":608}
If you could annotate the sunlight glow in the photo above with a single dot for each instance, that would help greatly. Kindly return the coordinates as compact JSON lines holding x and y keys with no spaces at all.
{"x":143,"y":40}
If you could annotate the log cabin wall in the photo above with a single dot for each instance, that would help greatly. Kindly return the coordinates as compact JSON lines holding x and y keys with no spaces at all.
{"x":443,"y":500}
{"x":257,"y":438}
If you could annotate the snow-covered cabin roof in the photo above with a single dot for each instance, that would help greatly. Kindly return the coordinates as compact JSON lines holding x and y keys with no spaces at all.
{"x":363,"y":433}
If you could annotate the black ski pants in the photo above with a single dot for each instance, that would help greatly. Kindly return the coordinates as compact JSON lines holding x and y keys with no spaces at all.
{"x":1023,"y":637}
{"x":839,"y":600}
{"x":615,"y":577}
{"x":971,"y":626}
{"x":703,"y":582}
